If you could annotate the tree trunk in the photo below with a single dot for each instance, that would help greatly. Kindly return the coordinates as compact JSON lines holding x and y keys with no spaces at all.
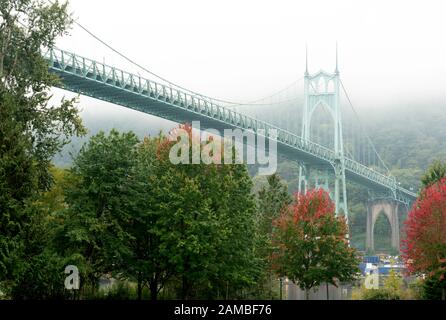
{"x":139,"y":286}
{"x":328,"y":298}
{"x":281,"y":288}
{"x":154,"y":290}
{"x":307,"y":294}
{"x":184,"y":288}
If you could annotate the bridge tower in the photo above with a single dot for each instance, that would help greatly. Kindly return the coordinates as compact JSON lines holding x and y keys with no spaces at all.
{"x":322,"y":89}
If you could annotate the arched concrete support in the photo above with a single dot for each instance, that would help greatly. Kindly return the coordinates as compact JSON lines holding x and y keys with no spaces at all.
{"x":390,"y":209}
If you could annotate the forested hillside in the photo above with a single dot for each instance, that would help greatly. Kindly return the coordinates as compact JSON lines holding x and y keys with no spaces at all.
{"x":409,"y":138}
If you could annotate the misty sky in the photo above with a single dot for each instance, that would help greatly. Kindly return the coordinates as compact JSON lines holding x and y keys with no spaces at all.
{"x":242,"y":50}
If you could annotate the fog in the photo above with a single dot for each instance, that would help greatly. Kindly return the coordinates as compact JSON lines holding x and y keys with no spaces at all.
{"x":389,"y":51}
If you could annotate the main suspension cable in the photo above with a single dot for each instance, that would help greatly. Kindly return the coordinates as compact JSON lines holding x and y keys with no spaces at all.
{"x":359,"y":120}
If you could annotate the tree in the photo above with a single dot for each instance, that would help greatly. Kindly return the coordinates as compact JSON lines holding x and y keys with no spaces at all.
{"x":393,"y":285}
{"x":424,"y":249}
{"x":31,"y":131}
{"x":435,"y":173}
{"x":240,"y":265}
{"x":310,"y":243}
{"x":140,"y":259}
{"x":433,"y":287}
{"x":272,"y":199}
{"x":134,"y":214}
{"x":99,"y":194}
{"x":210,"y":212}
{"x":28,"y":121}
{"x":147,"y":257}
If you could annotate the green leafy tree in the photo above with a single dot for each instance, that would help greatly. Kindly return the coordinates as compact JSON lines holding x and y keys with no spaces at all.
{"x":142,"y":260}
{"x":434,"y":286}
{"x":240,"y":266}
{"x":211,"y":212}
{"x":151,"y":228}
{"x":310,"y":243}
{"x":434,"y":173}
{"x":272,"y":200}
{"x":99,"y":194}
{"x":31,"y":130}
{"x":42,"y":275}
{"x":134,"y":214}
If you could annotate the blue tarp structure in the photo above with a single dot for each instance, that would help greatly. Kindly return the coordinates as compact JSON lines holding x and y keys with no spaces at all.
{"x":362,"y":266}
{"x":371,"y":259}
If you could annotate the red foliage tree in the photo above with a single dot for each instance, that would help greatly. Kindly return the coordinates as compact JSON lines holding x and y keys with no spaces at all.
{"x":424,"y":249}
{"x":310,"y":245}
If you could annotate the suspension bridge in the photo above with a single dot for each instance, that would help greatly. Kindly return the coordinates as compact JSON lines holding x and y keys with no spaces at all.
{"x":328,"y":159}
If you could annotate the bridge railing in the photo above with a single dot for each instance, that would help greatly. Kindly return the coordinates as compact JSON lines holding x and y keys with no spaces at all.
{"x":79,"y":66}
{"x":370,"y":173}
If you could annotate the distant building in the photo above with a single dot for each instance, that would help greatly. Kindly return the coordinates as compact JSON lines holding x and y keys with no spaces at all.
{"x":380,"y":265}
{"x":385,"y":270}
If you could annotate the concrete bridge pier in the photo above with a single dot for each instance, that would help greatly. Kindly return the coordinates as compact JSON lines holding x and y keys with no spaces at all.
{"x":390,"y":209}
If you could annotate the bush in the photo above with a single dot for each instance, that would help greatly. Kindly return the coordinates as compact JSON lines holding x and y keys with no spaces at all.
{"x":415,"y":290}
{"x":42,"y":277}
{"x":432,"y":288}
{"x":394,"y":289}
{"x":380,"y":294}
{"x":120,"y":290}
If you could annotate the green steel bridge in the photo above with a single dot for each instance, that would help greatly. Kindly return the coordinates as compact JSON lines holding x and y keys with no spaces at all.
{"x":98,"y":80}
